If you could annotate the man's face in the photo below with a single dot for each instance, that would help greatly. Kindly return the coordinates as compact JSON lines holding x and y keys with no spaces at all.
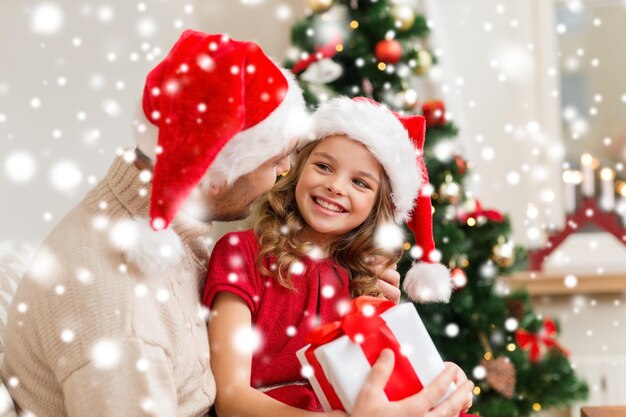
{"x":234,"y":202}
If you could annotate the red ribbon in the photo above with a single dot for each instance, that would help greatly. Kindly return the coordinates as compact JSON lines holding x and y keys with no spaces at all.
{"x":363,"y":324}
{"x":327,"y":51}
{"x":492,"y":215}
{"x":534,"y":341}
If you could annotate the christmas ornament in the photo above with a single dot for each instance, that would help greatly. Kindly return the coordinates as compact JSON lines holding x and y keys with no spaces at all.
{"x":424,"y":62}
{"x":403,"y":16}
{"x":543,"y":340}
{"x":459,"y":279}
{"x":450,"y":191}
{"x":388,"y":51}
{"x":516,"y":308}
{"x":479,"y":216}
{"x":435,"y":113}
{"x":460,"y":163}
{"x":323,"y":71}
{"x":504,"y":253}
{"x":407,"y":99}
{"x":501,"y":375}
{"x":327,"y":51}
{"x":319,"y":6}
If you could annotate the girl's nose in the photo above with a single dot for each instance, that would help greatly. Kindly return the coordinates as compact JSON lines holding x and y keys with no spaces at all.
{"x":335,"y":186}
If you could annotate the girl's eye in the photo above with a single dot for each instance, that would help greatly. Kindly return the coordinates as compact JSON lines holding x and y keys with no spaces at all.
{"x":322,"y":166}
{"x":361,"y":183}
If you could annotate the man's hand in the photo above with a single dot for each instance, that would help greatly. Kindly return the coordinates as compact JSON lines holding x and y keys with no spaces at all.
{"x":372,"y":401}
{"x":388,"y":280}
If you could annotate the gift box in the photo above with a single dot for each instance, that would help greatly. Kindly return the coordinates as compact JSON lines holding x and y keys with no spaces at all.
{"x":340,"y":354}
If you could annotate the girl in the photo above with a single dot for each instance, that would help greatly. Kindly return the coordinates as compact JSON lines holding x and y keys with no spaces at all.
{"x":308,"y":254}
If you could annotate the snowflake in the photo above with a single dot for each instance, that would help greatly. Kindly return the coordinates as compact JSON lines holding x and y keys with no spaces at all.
{"x":66,"y":176}
{"x":105,"y":354}
{"x":47,"y":19}
{"x":20,"y":166}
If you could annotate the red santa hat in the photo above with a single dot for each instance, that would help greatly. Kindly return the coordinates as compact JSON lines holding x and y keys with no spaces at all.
{"x":222,"y":108}
{"x":397,"y":142}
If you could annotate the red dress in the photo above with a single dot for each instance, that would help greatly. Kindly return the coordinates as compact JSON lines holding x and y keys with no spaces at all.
{"x":281,"y":316}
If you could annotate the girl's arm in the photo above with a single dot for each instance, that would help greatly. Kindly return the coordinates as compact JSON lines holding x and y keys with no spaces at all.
{"x":231,"y":361}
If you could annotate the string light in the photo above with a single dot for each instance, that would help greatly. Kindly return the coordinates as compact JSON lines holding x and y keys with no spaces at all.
{"x":382,"y":66}
{"x":354,"y":24}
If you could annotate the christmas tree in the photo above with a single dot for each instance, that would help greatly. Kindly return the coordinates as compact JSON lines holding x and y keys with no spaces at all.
{"x":377,"y":48}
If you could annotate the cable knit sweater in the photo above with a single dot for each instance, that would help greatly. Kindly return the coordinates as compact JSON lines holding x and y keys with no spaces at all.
{"x":91,"y":333}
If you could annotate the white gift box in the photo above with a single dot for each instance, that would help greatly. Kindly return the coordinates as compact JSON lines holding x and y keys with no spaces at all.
{"x":345,"y":366}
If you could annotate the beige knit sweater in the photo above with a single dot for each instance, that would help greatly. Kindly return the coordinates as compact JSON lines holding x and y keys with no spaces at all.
{"x":92,"y":334}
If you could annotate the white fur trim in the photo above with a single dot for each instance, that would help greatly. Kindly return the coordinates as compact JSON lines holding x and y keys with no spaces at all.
{"x":428,"y":283}
{"x":148,"y":250}
{"x":250,"y":148}
{"x":376,"y":127}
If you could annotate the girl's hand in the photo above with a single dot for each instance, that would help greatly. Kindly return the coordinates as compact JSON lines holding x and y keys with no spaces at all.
{"x":388,"y":280}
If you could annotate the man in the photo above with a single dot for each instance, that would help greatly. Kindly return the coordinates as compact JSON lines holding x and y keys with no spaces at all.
{"x":107,"y":320}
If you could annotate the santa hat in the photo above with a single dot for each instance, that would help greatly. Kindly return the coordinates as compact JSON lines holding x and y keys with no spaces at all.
{"x":397,"y":142}
{"x":222,"y":108}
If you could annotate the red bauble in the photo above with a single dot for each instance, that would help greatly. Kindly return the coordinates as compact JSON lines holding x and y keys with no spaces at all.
{"x":435,"y":113}
{"x":459,"y":279}
{"x":388,"y":51}
{"x":461,"y":164}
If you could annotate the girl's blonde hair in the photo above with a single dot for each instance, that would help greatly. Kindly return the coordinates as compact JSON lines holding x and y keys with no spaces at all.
{"x":278,"y":221}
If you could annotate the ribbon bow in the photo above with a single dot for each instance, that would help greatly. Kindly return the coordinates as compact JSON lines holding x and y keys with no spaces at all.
{"x":534,"y":341}
{"x":362,"y":319}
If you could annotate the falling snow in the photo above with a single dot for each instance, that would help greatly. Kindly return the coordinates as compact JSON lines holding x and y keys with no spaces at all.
{"x":106,"y":354}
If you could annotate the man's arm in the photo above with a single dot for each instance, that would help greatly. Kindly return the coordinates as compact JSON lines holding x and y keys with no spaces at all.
{"x":129,"y":378}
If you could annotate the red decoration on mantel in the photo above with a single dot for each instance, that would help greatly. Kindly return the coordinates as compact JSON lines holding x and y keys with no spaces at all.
{"x":588,"y":212}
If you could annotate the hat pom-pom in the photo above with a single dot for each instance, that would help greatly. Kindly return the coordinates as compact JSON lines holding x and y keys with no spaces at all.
{"x":428,"y":283}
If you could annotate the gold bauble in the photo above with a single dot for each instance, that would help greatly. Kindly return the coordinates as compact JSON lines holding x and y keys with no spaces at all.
{"x":408,"y":98}
{"x":450,"y":192}
{"x":403,"y":16}
{"x":424,"y":62}
{"x":319,"y":6}
{"x":504,"y":254}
